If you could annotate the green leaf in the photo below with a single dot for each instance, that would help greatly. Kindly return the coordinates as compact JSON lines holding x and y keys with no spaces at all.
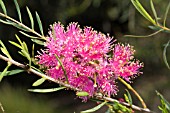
{"x":27,"y":35}
{"x":65,"y":74}
{"x":39,"y":82}
{"x":39,"y":23}
{"x":4,"y":72}
{"x":18,"y":10}
{"x":15,"y":44}
{"x":142,"y":11}
{"x":4,"y":50}
{"x":13,"y":72}
{"x":20,"y":27}
{"x":25,"y":54}
{"x":82,"y":93}
{"x":46,"y":90}
{"x":129,"y":97}
{"x":24,"y":46}
{"x":3,"y":7}
{"x":154,"y":11}
{"x":19,"y":40}
{"x":31,"y":18}
{"x":166,"y":14}
{"x":164,"y":55}
{"x":165,"y":103}
{"x":38,"y":41}
{"x":95,"y":108}
{"x":5,"y":22}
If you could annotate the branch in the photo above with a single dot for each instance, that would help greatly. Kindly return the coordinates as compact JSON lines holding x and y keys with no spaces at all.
{"x":101,"y":97}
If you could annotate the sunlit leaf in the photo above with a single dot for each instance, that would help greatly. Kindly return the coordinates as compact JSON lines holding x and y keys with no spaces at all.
{"x":39,"y":42}
{"x":24,"y":46}
{"x":4,"y":50}
{"x":15,"y":44}
{"x":164,"y":55}
{"x":3,"y":7}
{"x":39,"y":82}
{"x":95,"y":108}
{"x":82,"y":93}
{"x":18,"y":10}
{"x":46,"y":90}
{"x":4,"y":72}
{"x":143,"y":12}
{"x":39,"y":23}
{"x":25,"y":54}
{"x":31,"y":18}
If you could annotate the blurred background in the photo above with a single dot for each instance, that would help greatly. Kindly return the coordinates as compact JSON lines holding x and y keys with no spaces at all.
{"x":116,"y":17}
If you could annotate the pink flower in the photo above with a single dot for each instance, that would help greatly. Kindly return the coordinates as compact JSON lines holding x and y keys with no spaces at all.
{"x":123,"y":62}
{"x":84,"y":53}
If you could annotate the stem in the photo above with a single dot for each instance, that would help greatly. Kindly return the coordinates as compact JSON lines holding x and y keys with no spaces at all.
{"x":2,"y":109}
{"x":22,"y":25}
{"x":97,"y":96}
{"x":133,"y":90}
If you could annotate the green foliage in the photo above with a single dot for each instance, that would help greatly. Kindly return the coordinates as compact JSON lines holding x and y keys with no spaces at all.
{"x":95,"y":108}
{"x":165,"y":105}
{"x":46,"y":90}
{"x":118,"y":108}
{"x":13,"y":72}
{"x":82,"y":93}
{"x":24,"y":49}
{"x":39,"y":82}
{"x":128,"y":98}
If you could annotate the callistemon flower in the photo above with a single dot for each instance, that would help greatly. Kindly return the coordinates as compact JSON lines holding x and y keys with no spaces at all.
{"x":85,"y":61}
{"x":123,"y":62}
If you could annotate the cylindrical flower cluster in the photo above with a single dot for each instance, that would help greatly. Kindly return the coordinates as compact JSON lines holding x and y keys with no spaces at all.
{"x":89,"y":61}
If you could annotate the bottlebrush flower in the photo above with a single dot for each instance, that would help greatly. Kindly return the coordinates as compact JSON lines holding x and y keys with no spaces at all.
{"x":84,"y":56}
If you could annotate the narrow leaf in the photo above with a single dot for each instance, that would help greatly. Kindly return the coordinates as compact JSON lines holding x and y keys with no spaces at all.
{"x":15,"y":44}
{"x":13,"y":72}
{"x":4,"y":50}
{"x":82,"y":93}
{"x":95,"y":108}
{"x":25,"y":48}
{"x":46,"y":90}
{"x":39,"y":42}
{"x":39,"y":82}
{"x":27,"y":35}
{"x":39,"y":23}
{"x":4,"y":72}
{"x":19,"y":40}
{"x":25,"y":54}
{"x":143,"y":12}
{"x":154,"y":11}
{"x":166,"y":14}
{"x":164,"y":55}
{"x":31,"y":18}
{"x":65,"y":74}
{"x":18,"y":10}
{"x":5,"y":22}
{"x":129,"y":97}
{"x":3,"y":7}
{"x":164,"y":101}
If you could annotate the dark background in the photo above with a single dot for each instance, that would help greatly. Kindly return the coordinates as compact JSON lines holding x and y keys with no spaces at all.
{"x":116,"y":17}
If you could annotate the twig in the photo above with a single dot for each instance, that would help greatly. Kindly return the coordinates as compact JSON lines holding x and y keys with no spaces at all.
{"x":2,"y":109}
{"x":134,"y":91}
{"x":70,"y":86}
